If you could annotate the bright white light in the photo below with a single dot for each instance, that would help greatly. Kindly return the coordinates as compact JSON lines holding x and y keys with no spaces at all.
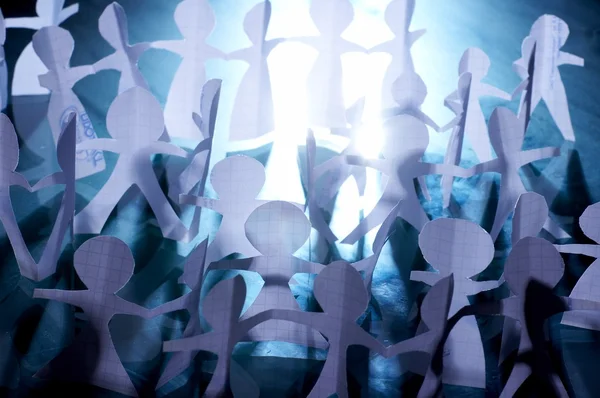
{"x":370,"y":140}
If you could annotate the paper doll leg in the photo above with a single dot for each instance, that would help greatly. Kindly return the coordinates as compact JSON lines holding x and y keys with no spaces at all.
{"x":519,"y":374}
{"x":424,"y":189}
{"x":360,"y":176}
{"x":318,"y":222}
{"x":219,"y":382}
{"x":332,"y":379}
{"x":27,"y":265}
{"x":511,"y":335}
{"x":506,"y":205}
{"x":331,"y":186}
{"x":452,"y":156}
{"x":242,"y":384}
{"x":92,"y":218}
{"x":556,"y":101}
{"x":555,"y":230}
{"x":376,"y":217}
{"x":476,"y":130}
{"x":179,"y":362}
{"x":465,"y":363}
{"x":412,"y":212}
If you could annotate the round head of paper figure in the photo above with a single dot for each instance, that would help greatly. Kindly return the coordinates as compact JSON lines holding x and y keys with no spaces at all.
{"x":396,"y":9}
{"x":340,"y":290}
{"x":436,"y":304}
{"x":54,"y":46}
{"x":224,"y":303}
{"x":506,"y":132}
{"x":238,"y":178}
{"x":9,"y":145}
{"x":112,"y":25}
{"x":531,"y":212}
{"x":333,"y":16}
{"x":533,"y":258}
{"x":104,"y":263}
{"x":407,"y":138}
{"x":49,"y":10}
{"x":409,"y":90}
{"x":258,"y":16}
{"x":135,"y":118}
{"x":475,"y":61}
{"x":195,"y":19}
{"x":559,"y":28}
{"x":590,"y":222}
{"x":277,"y":229}
{"x":456,"y":246}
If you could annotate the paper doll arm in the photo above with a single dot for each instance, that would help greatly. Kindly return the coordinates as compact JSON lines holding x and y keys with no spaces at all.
{"x":53,"y":179}
{"x":101,"y":144}
{"x":482,"y":286}
{"x":361,"y":337}
{"x":427,"y":120}
{"x":452,"y":123}
{"x":452,"y":97}
{"x":417,"y":343}
{"x":245,"y":264}
{"x":175,"y":305}
{"x":175,"y":46}
{"x":333,"y":163}
{"x":377,"y":164}
{"x":270,"y":45}
{"x":384,"y":47}
{"x":17,"y":179}
{"x":574,"y":304}
{"x":427,"y":277}
{"x":586,"y":250}
{"x":520,"y":88}
{"x":67,"y":13}
{"x":73,"y":297}
{"x":34,"y":23}
{"x":349,"y":46}
{"x":138,"y":49}
{"x":444,"y":169}
{"x":194,"y":343}
{"x":485,"y":167}
{"x":569,"y":59}
{"x":168,"y":149}
{"x":540,"y":153}
{"x":302,"y":266}
{"x":79,"y":72}
{"x":489,"y":90}
{"x":198,"y":201}
{"x":416,"y":35}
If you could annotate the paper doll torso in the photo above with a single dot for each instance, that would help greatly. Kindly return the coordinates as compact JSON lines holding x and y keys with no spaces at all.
{"x":586,"y":288}
{"x":130,"y":73}
{"x":27,"y":69}
{"x":3,"y":81}
{"x":231,"y":235}
{"x":400,"y":63}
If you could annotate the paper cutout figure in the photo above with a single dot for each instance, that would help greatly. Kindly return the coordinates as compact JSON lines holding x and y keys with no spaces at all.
{"x":113,"y":28}
{"x":195,"y":20}
{"x":135,"y":120}
{"x":531,"y":216}
{"x":29,"y":66}
{"x":237,"y":180}
{"x":55,"y":46}
{"x":507,"y":139}
{"x":464,"y":249}
{"x":587,"y":286}
{"x":548,"y":34}
{"x":341,"y":293}
{"x":398,"y":16}
{"x":405,"y":146}
{"x":325,"y":92}
{"x":105,"y":264}
{"x":9,"y":159}
{"x":221,"y":308}
{"x":252,"y":115}
{"x":265,"y":228}
{"x":3,"y":66}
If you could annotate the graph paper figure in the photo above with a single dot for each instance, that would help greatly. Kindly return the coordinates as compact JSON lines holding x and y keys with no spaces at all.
{"x":135,"y":121}
{"x":398,"y":16}
{"x":3,"y":66}
{"x":276,"y":265}
{"x":195,"y":20}
{"x":55,"y":46}
{"x":341,"y":293}
{"x":548,"y":34}
{"x":29,"y":66}
{"x":104,"y":264}
{"x":464,"y":249}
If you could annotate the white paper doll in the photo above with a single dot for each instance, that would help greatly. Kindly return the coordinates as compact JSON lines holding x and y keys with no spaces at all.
{"x":104,"y":264}
{"x":252,"y":115}
{"x":55,"y":46}
{"x":3,"y":66}
{"x":548,"y":34}
{"x":195,"y":20}
{"x":135,"y":120}
{"x":462,"y":248}
{"x":398,"y":16}
{"x":29,"y":66}
{"x":276,"y":265}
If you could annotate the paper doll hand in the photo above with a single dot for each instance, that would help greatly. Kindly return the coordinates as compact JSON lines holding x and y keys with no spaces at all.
{"x":53,"y":179}
{"x":451,"y":124}
{"x":168,"y":149}
{"x":483,"y":286}
{"x":429,"y":278}
{"x":416,"y":35}
{"x":537,"y":154}
{"x":194,"y":343}
{"x":175,"y":305}
{"x":198,"y":201}
{"x":417,"y":343}
{"x":520,"y":88}
{"x":169,"y":45}
{"x":73,"y":297}
{"x":101,"y":144}
{"x":445,"y":169}
{"x":491,"y":165}
{"x":33,"y":23}
{"x":138,"y":49}
{"x":17,"y":179}
{"x":361,"y":337}
{"x":569,"y":59}
{"x":245,"y":264}
{"x":492,"y":91}
{"x":378,"y":164}
{"x":67,"y":13}
{"x":583,"y":249}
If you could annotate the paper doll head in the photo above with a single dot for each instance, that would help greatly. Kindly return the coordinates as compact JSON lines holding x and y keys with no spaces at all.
{"x":112,"y":25}
{"x":223,"y":305}
{"x":589,"y":222}
{"x":558,"y":27}
{"x":475,"y":61}
{"x":533,"y":258}
{"x":409,"y":90}
{"x":136,"y":118}
{"x":54,"y":46}
{"x":340,"y":291}
{"x":238,"y":178}
{"x":49,"y":10}
{"x":277,"y":228}
{"x":195,"y":19}
{"x":259,"y":15}
{"x":9,"y":145}
{"x":332,"y":16}
{"x":194,"y":264}
{"x":531,"y":212}
{"x":398,"y":15}
{"x":104,"y":263}
{"x":455,"y":245}
{"x":436,"y":304}
{"x":506,"y":132}
{"x":405,"y":135}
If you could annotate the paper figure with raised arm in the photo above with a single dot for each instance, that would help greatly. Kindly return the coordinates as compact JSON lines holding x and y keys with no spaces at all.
{"x":195,"y":20}
{"x":113,"y":28}
{"x":221,"y":308}
{"x":507,"y":138}
{"x":252,"y":115}
{"x":3,"y":66}
{"x":548,"y":34}
{"x":277,"y":266}
{"x":135,"y":121}
{"x":462,"y":248}
{"x":104,"y":264}
{"x":341,"y":293}
{"x":325,"y":91}
{"x":29,"y":66}
{"x":406,"y":142}
{"x":55,"y":46}
{"x":398,"y":16}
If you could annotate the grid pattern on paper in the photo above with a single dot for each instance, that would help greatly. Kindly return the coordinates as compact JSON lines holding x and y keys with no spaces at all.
{"x":590,"y":222}
{"x":530,"y":215}
{"x":409,"y":91}
{"x":436,"y":305}
{"x":113,"y":28}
